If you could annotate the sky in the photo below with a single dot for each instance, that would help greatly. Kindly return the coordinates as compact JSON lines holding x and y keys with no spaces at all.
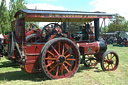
{"x":108,"y":6}
{"x":72,"y":5}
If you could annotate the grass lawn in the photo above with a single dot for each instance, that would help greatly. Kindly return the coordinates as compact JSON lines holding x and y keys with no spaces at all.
{"x":11,"y":74}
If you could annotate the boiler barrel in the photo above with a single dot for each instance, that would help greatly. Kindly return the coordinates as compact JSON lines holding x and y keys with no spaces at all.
{"x":93,"y":47}
{"x":102,"y":46}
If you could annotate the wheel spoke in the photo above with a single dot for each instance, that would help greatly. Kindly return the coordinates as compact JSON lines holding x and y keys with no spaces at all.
{"x":107,"y":57}
{"x":112,"y":56}
{"x":68,"y":63}
{"x":66,"y":68}
{"x":53,"y":68}
{"x":105,"y":62}
{"x":71,"y":59}
{"x":68,"y":55}
{"x":112,"y":66}
{"x":107,"y":66}
{"x":93,"y":56}
{"x":90,"y":61}
{"x":50,"y":58}
{"x":50,"y":64}
{"x":63,"y":50}
{"x":67,"y":50}
{"x":57,"y":70}
{"x":86,"y":60}
{"x":94,"y":61}
{"x":50,"y":53}
{"x":114,"y":60}
{"x":86,"y":57}
{"x":55,"y":50}
{"x":62,"y":69}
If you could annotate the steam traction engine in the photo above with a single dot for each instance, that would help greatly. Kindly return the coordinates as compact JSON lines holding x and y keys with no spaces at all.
{"x":55,"y":50}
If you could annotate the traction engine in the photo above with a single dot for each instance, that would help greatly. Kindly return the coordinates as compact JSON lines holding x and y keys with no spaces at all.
{"x":54,"y":49}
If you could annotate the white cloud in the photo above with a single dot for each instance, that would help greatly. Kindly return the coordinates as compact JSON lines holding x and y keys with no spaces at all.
{"x":44,"y":6}
{"x":111,"y":6}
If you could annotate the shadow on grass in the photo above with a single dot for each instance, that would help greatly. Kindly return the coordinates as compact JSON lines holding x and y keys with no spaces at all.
{"x":116,"y":45}
{"x":9,"y":64}
{"x":98,"y":70}
{"x":20,"y":75}
{"x":82,"y":67}
{"x":37,"y":77}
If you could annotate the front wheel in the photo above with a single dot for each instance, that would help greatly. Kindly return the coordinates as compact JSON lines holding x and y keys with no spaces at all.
{"x":90,"y":61}
{"x":60,"y":58}
{"x":109,"y":61}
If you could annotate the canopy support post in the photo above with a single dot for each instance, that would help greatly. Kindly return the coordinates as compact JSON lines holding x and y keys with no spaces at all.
{"x":96,"y":25}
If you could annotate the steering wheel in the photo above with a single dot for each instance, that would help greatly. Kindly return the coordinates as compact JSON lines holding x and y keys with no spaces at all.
{"x":50,"y":29}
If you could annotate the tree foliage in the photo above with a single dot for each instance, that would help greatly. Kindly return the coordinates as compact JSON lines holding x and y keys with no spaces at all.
{"x":118,"y":23}
{"x":15,"y":6}
{"x":7,"y":15}
{"x":4,"y":18}
{"x":126,"y":26}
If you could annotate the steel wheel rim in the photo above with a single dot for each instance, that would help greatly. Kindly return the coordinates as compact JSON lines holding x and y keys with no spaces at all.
{"x":110,"y":61}
{"x":66,"y":68}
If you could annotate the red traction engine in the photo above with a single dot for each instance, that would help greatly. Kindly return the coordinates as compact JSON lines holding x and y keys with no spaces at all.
{"x":55,"y":49}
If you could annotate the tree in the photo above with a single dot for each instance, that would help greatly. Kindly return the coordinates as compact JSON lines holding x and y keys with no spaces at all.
{"x":15,"y":6}
{"x":117,"y":24}
{"x":4,"y":18}
{"x":126,"y":26}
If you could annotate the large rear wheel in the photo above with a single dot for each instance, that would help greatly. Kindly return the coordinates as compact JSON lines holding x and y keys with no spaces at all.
{"x":60,"y":58}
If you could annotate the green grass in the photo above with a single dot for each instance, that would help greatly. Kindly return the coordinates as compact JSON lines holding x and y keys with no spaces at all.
{"x":11,"y":74}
